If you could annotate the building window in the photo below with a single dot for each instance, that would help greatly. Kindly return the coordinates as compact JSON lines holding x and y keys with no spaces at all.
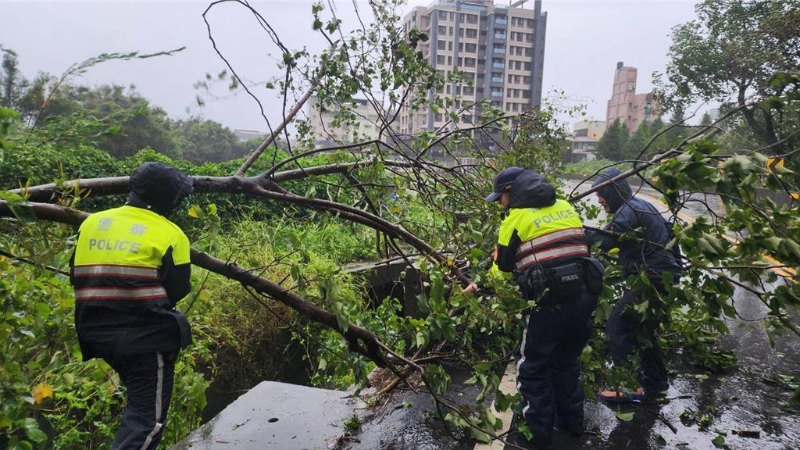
{"x":501,"y":20}
{"x":497,"y":77}
{"x":439,"y":117}
{"x":469,"y":62}
{"x":439,"y":59}
{"x":472,"y":18}
{"x":472,"y":33}
{"x":497,"y":92}
{"x":528,"y":37}
{"x":498,"y":64}
{"x":527,"y":66}
{"x":469,"y":90}
{"x":441,"y":45}
{"x":442,"y":15}
{"x":442,"y":29}
{"x":499,"y":49}
{"x":471,"y":48}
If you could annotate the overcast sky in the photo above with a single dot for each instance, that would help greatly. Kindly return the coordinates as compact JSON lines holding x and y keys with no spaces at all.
{"x":585,"y":39}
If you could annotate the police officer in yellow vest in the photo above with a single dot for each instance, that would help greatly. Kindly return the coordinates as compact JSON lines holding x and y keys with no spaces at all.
{"x":129,"y":269}
{"x":542,"y":243}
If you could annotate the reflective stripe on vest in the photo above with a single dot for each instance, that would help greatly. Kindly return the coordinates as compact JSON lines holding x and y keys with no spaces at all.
{"x":100,"y":293}
{"x":549,"y":234}
{"x":552,"y":254}
{"x":104,"y":270}
{"x":551,"y":238}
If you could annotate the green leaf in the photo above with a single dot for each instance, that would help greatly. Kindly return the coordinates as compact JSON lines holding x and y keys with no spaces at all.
{"x":36,"y":435}
{"x":479,"y":435}
{"x":625,"y":417}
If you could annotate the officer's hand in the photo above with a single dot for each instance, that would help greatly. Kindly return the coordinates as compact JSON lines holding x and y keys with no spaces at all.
{"x":471,"y":289}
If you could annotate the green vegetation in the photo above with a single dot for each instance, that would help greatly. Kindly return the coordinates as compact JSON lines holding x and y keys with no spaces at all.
{"x":270,"y":286}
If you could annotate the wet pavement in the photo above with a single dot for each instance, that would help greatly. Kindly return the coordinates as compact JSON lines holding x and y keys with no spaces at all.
{"x":745,"y":399}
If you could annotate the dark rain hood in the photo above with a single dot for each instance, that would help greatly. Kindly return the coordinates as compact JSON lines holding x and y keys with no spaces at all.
{"x":615,"y":194}
{"x":531,"y":190}
{"x":158,"y":187}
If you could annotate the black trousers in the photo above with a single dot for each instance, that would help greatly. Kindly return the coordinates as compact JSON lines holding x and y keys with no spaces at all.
{"x":548,"y":371}
{"x":148,"y":378}
{"x":629,"y":331}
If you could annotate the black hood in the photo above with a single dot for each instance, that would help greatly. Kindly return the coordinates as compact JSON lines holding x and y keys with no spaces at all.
{"x":615,"y":194}
{"x":158,"y":187}
{"x":531,"y":190}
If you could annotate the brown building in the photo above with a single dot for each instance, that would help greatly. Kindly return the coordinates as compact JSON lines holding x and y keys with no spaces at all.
{"x":626,"y":105}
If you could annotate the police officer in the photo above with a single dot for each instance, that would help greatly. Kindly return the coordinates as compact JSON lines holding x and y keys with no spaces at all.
{"x":542,"y":243}
{"x":129,"y":269}
{"x":640,"y":232}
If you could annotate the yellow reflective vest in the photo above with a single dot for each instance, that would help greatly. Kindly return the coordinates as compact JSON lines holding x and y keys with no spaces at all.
{"x":129,"y":269}
{"x":548,"y":236}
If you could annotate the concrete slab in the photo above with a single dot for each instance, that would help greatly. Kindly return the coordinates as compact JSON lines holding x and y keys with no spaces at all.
{"x":277,"y":416}
{"x":508,"y":386}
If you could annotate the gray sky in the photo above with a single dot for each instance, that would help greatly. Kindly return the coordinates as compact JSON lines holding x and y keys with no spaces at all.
{"x":585,"y":39}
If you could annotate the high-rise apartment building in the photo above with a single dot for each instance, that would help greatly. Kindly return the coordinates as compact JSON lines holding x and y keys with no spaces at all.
{"x":499,"y":48}
{"x":626,"y":105}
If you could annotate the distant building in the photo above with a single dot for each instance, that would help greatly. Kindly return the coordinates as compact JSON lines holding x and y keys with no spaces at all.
{"x":582,"y":147}
{"x":626,"y":105}
{"x":499,"y":48}
{"x":364,"y":125}
{"x":589,"y":128}
{"x":246,"y":135}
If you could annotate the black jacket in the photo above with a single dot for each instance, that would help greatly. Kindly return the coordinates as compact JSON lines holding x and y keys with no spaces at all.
{"x":634,"y":217}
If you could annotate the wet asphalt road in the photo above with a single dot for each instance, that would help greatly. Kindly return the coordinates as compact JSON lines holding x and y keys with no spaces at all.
{"x":747,"y":398}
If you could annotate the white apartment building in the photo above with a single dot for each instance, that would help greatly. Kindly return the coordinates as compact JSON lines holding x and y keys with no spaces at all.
{"x":500,"y":48}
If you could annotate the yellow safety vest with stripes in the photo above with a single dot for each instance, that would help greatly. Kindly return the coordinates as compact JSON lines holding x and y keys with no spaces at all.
{"x":549,"y":236}
{"x":129,"y":237}
{"x":120,"y":302}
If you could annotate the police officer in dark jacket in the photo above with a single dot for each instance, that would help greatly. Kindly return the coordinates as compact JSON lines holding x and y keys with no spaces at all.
{"x":129,"y":269}
{"x":542,"y":245}
{"x":640,"y":232}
